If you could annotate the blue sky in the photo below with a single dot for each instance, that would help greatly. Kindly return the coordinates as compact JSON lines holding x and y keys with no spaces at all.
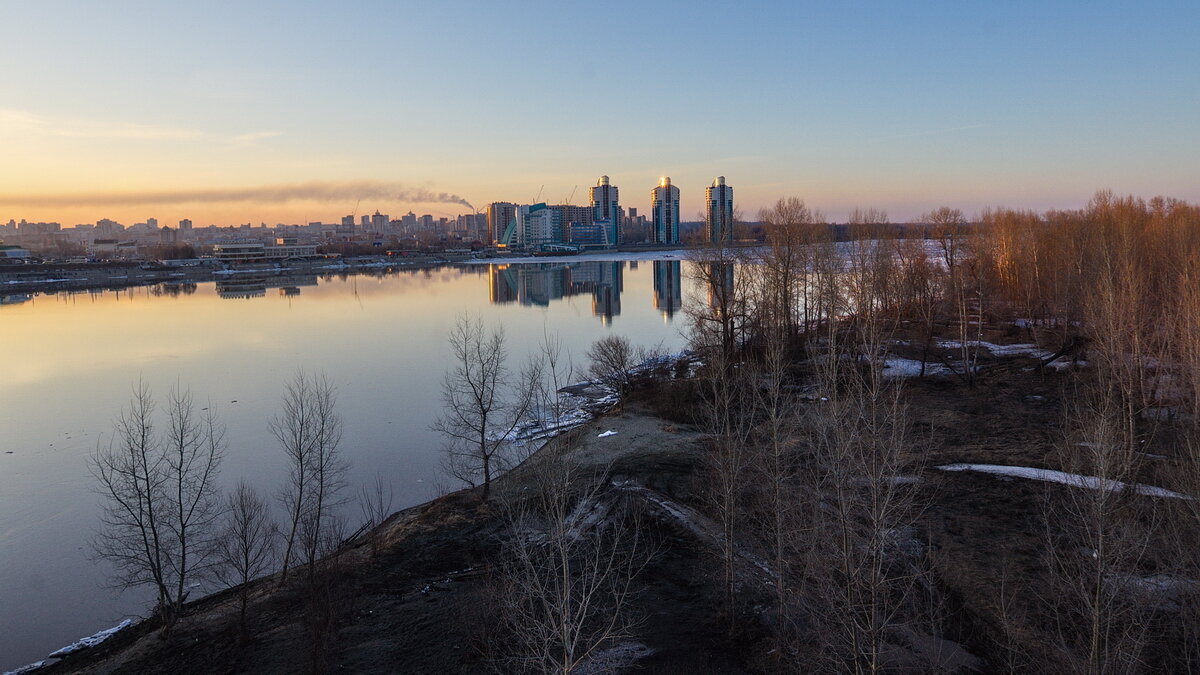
{"x":900,"y":106}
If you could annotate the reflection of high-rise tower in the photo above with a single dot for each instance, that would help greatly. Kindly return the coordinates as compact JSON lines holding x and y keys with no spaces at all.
{"x":540,"y":284}
{"x":668,"y":293}
{"x":606,"y":292}
{"x":718,"y":212}
{"x":606,"y":212}
{"x":664,"y":204}
{"x":502,"y":284}
{"x":720,"y":286}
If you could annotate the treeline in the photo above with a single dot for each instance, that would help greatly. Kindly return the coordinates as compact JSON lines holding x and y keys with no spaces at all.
{"x":814,"y":465}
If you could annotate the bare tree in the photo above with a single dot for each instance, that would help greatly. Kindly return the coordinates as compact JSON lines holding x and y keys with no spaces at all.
{"x":375,"y":501}
{"x":617,"y":362}
{"x":309,"y":431}
{"x":791,"y":228}
{"x":161,"y":499}
{"x":555,"y":368}
{"x":482,"y":403}
{"x":721,"y":323}
{"x":727,"y":417}
{"x":193,"y":446}
{"x":1098,"y":538}
{"x":920,"y":290}
{"x":247,"y":547}
{"x":568,"y":571}
{"x":775,"y":471}
{"x":862,"y":578}
{"x":611,"y":360}
{"x":964,"y":278}
{"x":327,"y":470}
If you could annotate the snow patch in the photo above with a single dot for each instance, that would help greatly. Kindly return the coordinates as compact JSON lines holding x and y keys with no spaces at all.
{"x":1065,"y":363}
{"x":1073,"y":479}
{"x":999,"y":350}
{"x":894,"y":366}
{"x":616,"y":658}
{"x":606,"y":434}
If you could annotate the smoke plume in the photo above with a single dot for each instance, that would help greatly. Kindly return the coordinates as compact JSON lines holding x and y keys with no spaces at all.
{"x":347,"y":192}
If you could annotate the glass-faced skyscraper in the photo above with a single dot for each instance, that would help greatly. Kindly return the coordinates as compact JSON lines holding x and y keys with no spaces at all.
{"x":718,"y":212}
{"x":664,"y":204}
{"x":606,"y":211}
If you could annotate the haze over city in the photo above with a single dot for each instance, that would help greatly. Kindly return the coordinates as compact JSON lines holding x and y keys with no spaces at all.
{"x":281,"y":112}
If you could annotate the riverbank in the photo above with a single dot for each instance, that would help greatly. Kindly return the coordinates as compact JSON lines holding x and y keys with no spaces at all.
{"x":417,"y":594}
{"x":408,"y":584}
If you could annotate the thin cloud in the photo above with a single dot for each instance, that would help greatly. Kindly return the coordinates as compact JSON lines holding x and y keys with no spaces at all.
{"x":26,"y":123}
{"x":316,"y":191}
{"x":252,"y":138}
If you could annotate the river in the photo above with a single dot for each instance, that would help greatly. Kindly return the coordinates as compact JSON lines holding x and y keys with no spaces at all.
{"x":70,"y":360}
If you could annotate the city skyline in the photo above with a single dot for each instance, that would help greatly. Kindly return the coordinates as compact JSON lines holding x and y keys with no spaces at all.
{"x":141,"y":112}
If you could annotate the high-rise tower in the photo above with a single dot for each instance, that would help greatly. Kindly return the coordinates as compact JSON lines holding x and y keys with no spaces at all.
{"x":718,"y":212}
{"x":664,"y":204}
{"x":499,"y":216}
{"x":606,"y":211}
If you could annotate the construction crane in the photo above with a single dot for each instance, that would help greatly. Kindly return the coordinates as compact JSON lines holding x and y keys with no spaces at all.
{"x":539,"y":194}
{"x":568,"y":201}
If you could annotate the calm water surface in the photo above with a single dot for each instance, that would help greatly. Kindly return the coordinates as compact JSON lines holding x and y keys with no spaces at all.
{"x":69,"y":362}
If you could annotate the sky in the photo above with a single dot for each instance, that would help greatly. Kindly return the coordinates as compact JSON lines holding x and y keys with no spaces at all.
{"x":298,"y":111}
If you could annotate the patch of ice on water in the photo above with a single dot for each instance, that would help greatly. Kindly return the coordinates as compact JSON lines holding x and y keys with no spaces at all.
{"x":91,"y":640}
{"x":29,"y":668}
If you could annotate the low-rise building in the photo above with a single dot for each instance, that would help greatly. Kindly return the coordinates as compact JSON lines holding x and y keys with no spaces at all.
{"x":11,"y":252}
{"x":240,"y":251}
{"x":289,"y":247}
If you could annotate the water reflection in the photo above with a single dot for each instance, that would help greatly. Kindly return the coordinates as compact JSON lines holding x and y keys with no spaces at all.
{"x":539,"y":284}
{"x":668,"y":290}
{"x":255,"y":286}
{"x":15,"y":299}
{"x":174,"y":289}
{"x":720,"y":284}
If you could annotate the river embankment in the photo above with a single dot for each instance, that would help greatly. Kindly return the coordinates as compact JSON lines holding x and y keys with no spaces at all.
{"x":418,"y":593}
{"x":410,"y":588}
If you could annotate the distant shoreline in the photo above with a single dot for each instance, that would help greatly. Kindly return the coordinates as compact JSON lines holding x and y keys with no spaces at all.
{"x":586,"y":256}
{"x":26,"y":279}
{"x":77,"y":277}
